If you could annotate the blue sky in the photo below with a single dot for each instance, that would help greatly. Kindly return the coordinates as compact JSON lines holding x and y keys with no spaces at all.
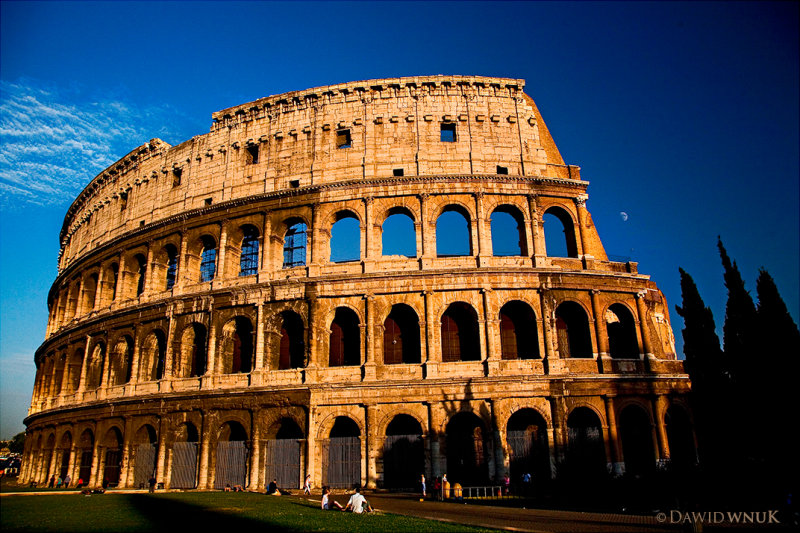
{"x":684,"y":116}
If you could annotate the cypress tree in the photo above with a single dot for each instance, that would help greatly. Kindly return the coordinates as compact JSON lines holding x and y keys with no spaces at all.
{"x":709,"y":374}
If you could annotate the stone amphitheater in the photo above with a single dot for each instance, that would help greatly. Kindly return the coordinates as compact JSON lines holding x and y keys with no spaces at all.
{"x":351,"y":283}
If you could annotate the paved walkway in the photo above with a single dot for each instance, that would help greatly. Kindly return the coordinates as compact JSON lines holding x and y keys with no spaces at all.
{"x":513,"y":519}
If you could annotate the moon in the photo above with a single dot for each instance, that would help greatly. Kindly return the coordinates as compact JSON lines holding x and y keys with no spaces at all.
{"x":624,"y":216}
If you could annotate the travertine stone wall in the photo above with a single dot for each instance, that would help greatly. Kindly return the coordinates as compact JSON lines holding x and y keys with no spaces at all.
{"x":130,"y":356}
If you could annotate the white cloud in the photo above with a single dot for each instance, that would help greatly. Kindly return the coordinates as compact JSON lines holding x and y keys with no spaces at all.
{"x":54,"y":141}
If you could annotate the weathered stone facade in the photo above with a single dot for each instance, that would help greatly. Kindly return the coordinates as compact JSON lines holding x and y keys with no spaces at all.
{"x":197,"y":304}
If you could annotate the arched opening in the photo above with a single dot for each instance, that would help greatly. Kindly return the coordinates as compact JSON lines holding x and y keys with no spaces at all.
{"x":467,"y":449}
{"x":141,"y":271}
{"x":559,"y":233}
{"x":192,"y":356}
{"x":508,"y":233}
{"x":85,"y":451}
{"x":572,"y":331}
{"x":172,"y":265}
{"x":184,"y":457}
{"x":403,"y":453}
{"x":237,"y":346}
{"x":65,"y":446}
{"x":453,"y":232}
{"x":294,"y":243}
{"x":153,"y":356}
{"x":345,"y":238}
{"x":636,"y":434}
{"x":283,"y":454}
{"x":526,"y":435}
{"x":96,"y":367}
{"x":89,"y":292}
{"x":58,"y":373}
{"x":122,"y":361}
{"x":518,"y":333}
{"x":113,"y":461}
{"x":680,"y":437}
{"x":231,"y":465}
{"x":208,"y":258}
{"x":586,"y":454}
{"x":401,"y":336}
{"x":460,"y":340}
{"x":292,"y":349}
{"x":74,"y":371}
{"x":345,"y":339}
{"x":341,"y":455}
{"x":248,"y":260}
{"x":621,"y":330}
{"x":114,"y":281}
{"x":398,"y":235}
{"x":145,"y":454}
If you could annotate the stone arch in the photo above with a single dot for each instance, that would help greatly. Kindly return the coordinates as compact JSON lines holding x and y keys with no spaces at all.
{"x":398,"y":232}
{"x":636,"y":438}
{"x":345,"y":241}
{"x":459,"y":333}
{"x":468,"y":449}
{"x":621,"y":329}
{"x":573,"y":336}
{"x":454,"y":231}
{"x":185,"y":447}
{"x":192,"y":357}
{"x":519,"y":338}
{"x":237,"y":346}
{"x":341,"y":454}
{"x":112,"y":442}
{"x":65,"y":446}
{"x":145,"y":452}
{"x":563,"y":244}
{"x":85,"y":455}
{"x":97,"y":361}
{"x":294,"y":242}
{"x":344,"y":348}
{"x":230,"y":468}
{"x":283,"y":452}
{"x":507,"y":220}
{"x":401,"y":336}
{"x":291,"y":345}
{"x":528,"y":447}
{"x":586,"y":454}
{"x":152,"y":356}
{"x":403,"y":452}
{"x":165,"y":267}
{"x":90,"y":290}
{"x":208,"y":258}
{"x":121,"y":361}
{"x":248,"y":238}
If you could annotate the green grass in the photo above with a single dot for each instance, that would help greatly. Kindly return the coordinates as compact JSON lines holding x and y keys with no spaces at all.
{"x":194,"y":512}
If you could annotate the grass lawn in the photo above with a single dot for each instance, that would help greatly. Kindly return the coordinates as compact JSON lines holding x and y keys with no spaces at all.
{"x":194,"y":512}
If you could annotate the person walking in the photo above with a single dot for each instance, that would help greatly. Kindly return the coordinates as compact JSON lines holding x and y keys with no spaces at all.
{"x":307,"y":485}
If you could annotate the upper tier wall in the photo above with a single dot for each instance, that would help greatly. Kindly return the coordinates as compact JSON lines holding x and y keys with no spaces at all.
{"x":393,"y":125}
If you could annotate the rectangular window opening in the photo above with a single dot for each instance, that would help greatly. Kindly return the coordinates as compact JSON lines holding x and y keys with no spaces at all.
{"x":502,"y":170}
{"x":397,"y":172}
{"x":176,"y":177}
{"x":252,"y":154}
{"x":343,"y":139}
{"x":208,"y":201}
{"x":448,"y":132}
{"x":294,"y":184}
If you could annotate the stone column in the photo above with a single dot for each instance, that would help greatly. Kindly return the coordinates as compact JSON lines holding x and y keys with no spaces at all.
{"x":434,"y":422}
{"x":373,"y":446}
{"x":125,"y":462}
{"x":121,"y":279}
{"x":211,"y":355}
{"x":660,"y":406}
{"x":644,"y":323}
{"x":149,"y":268}
{"x":136,"y":358}
{"x":223,"y":251}
{"x":557,"y":414}
{"x":98,"y":293}
{"x":493,"y":351}
{"x":369,"y":353}
{"x":580,"y":207}
{"x":205,"y":452}
{"x":432,"y":351}
{"x":538,"y":248}
{"x":85,"y":365}
{"x":162,"y":451}
{"x":169,"y":352}
{"x":599,"y":325}
{"x":266,"y":242}
{"x":183,"y":265}
{"x":427,"y":241}
{"x":311,"y":447}
{"x":484,"y":247}
{"x":98,"y":463}
{"x":368,"y":239}
{"x":616,"y":458}
{"x":259,"y":348}
{"x":255,"y":452}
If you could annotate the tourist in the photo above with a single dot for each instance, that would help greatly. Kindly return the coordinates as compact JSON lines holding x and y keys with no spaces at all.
{"x":66,"y":482}
{"x":327,"y":503}
{"x":526,"y":483}
{"x":506,"y":484}
{"x":52,"y":482}
{"x":307,"y":485}
{"x":357,"y":503}
{"x":437,"y":487}
{"x":152,"y":483}
{"x":422,"y":482}
{"x":273,"y":488}
{"x":59,"y":481}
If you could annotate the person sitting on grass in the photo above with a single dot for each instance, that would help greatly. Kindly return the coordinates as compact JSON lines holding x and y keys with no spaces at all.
{"x":273,"y":488}
{"x":327,"y":503}
{"x":358,"y":504}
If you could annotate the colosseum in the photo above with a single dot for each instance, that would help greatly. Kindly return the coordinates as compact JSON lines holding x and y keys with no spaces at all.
{"x":351,"y":283}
